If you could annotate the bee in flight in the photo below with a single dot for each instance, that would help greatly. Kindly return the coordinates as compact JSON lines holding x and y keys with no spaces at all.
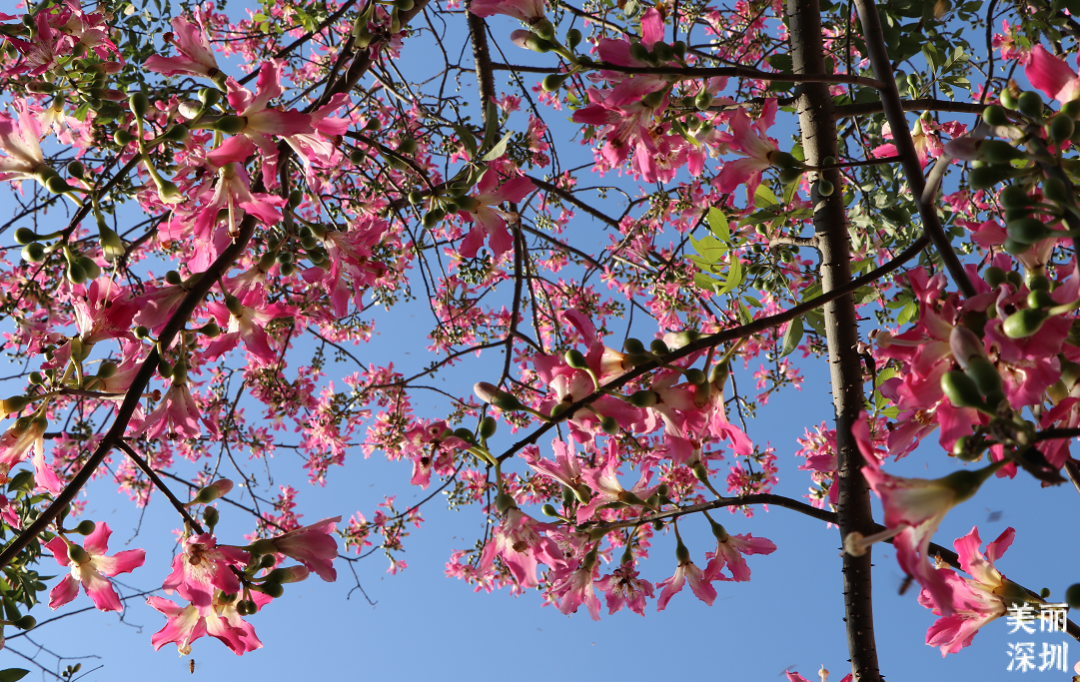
{"x":903,"y":588}
{"x":191,"y":666}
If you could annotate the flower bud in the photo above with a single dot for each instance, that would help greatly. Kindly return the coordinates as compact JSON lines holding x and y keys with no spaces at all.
{"x":1024,"y":323}
{"x":14,"y":404}
{"x":209,"y":96}
{"x":1000,"y":152}
{"x":1030,"y":104}
{"x":988,"y":176}
{"x":654,"y":99}
{"x":85,"y":527}
{"x":961,"y":390}
{"x":1028,"y":231}
{"x":210,"y":518}
{"x":433,"y":217}
{"x":696,"y":376}
{"x":1014,"y":196}
{"x":659,"y":347}
{"x":141,"y":332}
{"x":633,"y":346}
{"x":1040,"y":298}
{"x":549,"y":510}
{"x":488,"y":425}
{"x":531,"y":41}
{"x":24,"y":236}
{"x":107,"y":369}
{"x":213,"y":491}
{"x":995,"y":116}
{"x":122,"y":137}
{"x":609,"y":425}
{"x":504,"y":502}
{"x":1015,"y":248}
{"x":1072,"y":596}
{"x":139,"y":105}
{"x":994,"y":276}
{"x":544,"y":28}
{"x":273,"y":590}
{"x":645,"y":398}
{"x":469,"y":204}
{"x":986,"y":379}
{"x":25,"y":623}
{"x":177,"y":133}
{"x":292,"y":574}
{"x":263,"y":546}
{"x":77,"y":555}
{"x":573,"y":38}
{"x":553,"y":81}
{"x":1061,"y":127}
{"x":826,"y":188}
{"x":575,"y":359}
{"x":230,"y":125}
{"x":965,"y":345}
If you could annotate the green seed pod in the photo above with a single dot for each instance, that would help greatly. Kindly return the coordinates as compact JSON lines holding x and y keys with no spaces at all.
{"x":464,"y":434}
{"x":1040,"y":298}
{"x":76,"y":169}
{"x":407,"y":146}
{"x":1030,"y":104}
{"x":537,"y":44}
{"x":679,"y":48}
{"x":663,"y":52}
{"x":609,"y":425}
{"x":549,"y":510}
{"x":209,"y":96}
{"x":1044,"y":592}
{"x":85,"y":527}
{"x":999,"y":152}
{"x":1061,"y":127}
{"x":987,"y":176}
{"x":659,"y":347}
{"x":1015,"y":248}
{"x":504,"y":502}
{"x":993,"y":276}
{"x":75,"y":274}
{"x":961,"y":390}
{"x":25,"y":623}
{"x":122,"y":137}
{"x":575,"y":359}
{"x":24,"y":236}
{"x":995,"y":116}
{"x":230,"y":125}
{"x":1015,"y":279}
{"x":488,"y":425}
{"x":469,"y":204}
{"x":89,"y":267}
{"x":654,"y":99}
{"x":1036,"y":281}
{"x":825,"y":188}
{"x":433,"y":217}
{"x":139,"y":105}
{"x":178,"y":133}
{"x":506,"y":402}
{"x":287,"y":269}
{"x":56,"y":184}
{"x":1072,"y":596}
{"x":633,"y":346}
{"x":645,"y":398}
{"x":1028,"y":230}
{"x":357,"y":156}
{"x":696,"y":377}
{"x":573,"y":38}
{"x":703,"y":101}
{"x":415,"y":197}
{"x":552,"y":82}
{"x":210,"y":517}
{"x":1024,"y":323}
{"x":544,"y":28}
{"x":107,"y":369}
{"x":639,"y":51}
{"x":1014,"y":197}
{"x":1057,"y":190}
{"x":986,"y":377}
{"x":790,"y":175}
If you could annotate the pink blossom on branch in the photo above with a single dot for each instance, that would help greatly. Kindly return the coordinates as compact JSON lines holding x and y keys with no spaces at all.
{"x":90,"y":568}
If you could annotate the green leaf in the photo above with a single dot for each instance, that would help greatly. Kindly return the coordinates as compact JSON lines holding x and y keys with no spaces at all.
{"x":718,"y":223}
{"x":466,"y":137}
{"x":792,"y":337}
{"x":734,"y":276}
{"x":705,"y":282}
{"x":13,"y":674}
{"x":499,"y":149}
{"x":491,"y":124}
{"x":710,"y":248}
{"x":764,"y":197}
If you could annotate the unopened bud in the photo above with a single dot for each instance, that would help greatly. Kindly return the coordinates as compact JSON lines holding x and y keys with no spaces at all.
{"x":292,"y":574}
{"x":213,"y":491}
{"x":230,"y":125}
{"x":85,"y":527}
{"x":77,"y":555}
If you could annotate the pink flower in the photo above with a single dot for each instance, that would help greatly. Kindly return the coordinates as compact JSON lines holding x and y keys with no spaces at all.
{"x":529,"y":11}
{"x":20,"y":143}
{"x":175,"y":416}
{"x":204,"y":567}
{"x":686,"y":572}
{"x":751,"y":140}
{"x":261,"y":123}
{"x":977,"y":600}
{"x":914,"y":508}
{"x":573,"y":587}
{"x":184,"y":626}
{"x":90,"y":566}
{"x":195,"y":59}
{"x":1052,"y":75}
{"x":311,"y":545}
{"x":489,"y":222}
{"x":518,"y":542}
{"x":622,"y":587}
{"x":730,"y":550}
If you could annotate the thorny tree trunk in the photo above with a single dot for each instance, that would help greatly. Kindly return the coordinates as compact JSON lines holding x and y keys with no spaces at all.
{"x":818,"y":123}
